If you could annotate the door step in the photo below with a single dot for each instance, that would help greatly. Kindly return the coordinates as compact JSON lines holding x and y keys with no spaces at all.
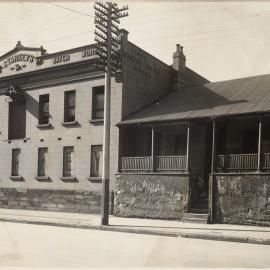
{"x":198,"y":210}
{"x":196,"y":215}
{"x":195,"y":220}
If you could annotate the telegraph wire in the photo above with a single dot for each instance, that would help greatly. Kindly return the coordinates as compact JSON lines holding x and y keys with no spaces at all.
{"x":72,"y":10}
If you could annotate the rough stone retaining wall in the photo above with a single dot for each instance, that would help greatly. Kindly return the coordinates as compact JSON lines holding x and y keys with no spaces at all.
{"x":151,"y":196}
{"x":50,"y":200}
{"x":242,"y":199}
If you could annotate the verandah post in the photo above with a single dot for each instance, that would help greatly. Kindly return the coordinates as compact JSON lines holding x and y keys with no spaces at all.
{"x":260,"y":144}
{"x":213,"y":167}
{"x":153,"y":148}
{"x":188,"y":146}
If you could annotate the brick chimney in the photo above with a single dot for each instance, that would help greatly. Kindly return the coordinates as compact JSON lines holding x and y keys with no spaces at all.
{"x":179,"y":59}
{"x":123,"y":36}
{"x":179,"y":66}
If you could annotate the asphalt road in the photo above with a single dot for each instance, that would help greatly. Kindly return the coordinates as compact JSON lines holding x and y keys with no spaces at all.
{"x":31,"y":246}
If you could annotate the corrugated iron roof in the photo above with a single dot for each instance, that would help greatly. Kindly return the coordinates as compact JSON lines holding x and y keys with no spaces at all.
{"x":232,"y":97}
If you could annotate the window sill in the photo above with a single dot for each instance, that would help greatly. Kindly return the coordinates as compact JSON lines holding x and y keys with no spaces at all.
{"x":41,"y":126}
{"x":16,"y":178}
{"x":69,"y":179}
{"x":97,"y":121}
{"x":95,"y":179}
{"x":18,"y":139}
{"x":68,"y":124}
{"x":43,"y":178}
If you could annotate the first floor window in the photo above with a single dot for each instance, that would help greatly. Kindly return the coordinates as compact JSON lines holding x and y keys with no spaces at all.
{"x":44,"y":114}
{"x":42,"y":155}
{"x":96,"y":161}
{"x":69,"y":110}
{"x":17,"y":120}
{"x":68,"y":161}
{"x":98,"y":102}
{"x":15,"y":170}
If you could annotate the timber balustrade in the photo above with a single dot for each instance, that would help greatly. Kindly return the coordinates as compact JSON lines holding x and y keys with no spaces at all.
{"x":136,"y":164}
{"x":163,"y":164}
{"x":242,"y":163}
{"x":266,"y":161}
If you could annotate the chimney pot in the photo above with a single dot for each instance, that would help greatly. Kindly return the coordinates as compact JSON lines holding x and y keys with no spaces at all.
{"x":179,"y":59}
{"x":123,"y":34}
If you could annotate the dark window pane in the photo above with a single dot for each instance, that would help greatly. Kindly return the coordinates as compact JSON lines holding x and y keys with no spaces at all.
{"x":15,"y":170}
{"x":68,"y":161}
{"x":42,"y":153}
{"x":44,"y":109}
{"x":70,"y":101}
{"x":98,"y":102}
{"x":17,"y":120}
{"x":96,"y":161}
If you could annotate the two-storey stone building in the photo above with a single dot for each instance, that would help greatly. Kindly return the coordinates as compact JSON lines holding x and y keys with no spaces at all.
{"x":51,"y":112}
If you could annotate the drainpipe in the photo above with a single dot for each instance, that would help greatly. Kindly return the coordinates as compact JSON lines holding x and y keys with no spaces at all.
{"x":260,"y":145}
{"x":213,"y":165}
{"x":188,"y":147}
{"x":153,"y":148}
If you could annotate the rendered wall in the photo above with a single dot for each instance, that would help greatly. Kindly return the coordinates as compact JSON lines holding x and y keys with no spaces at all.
{"x":242,"y":199}
{"x":81,"y":136}
{"x":151,"y":196}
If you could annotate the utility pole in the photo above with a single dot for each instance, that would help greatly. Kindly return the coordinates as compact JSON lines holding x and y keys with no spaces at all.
{"x":107,"y":15}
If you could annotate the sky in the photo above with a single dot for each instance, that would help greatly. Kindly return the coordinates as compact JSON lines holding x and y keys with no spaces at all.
{"x":222,"y":40}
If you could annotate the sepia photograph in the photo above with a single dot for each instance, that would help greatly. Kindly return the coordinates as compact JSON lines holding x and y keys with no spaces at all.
{"x":134,"y":134}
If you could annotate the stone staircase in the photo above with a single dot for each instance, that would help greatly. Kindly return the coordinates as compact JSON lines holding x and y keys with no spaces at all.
{"x":198,"y":213}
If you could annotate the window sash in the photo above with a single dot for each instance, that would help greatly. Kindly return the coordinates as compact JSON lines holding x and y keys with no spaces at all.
{"x":69,"y":110}
{"x":44,"y":109}
{"x":42,"y":164}
{"x":68,"y":153}
{"x":98,"y":102}
{"x":15,"y":166}
{"x":96,"y":161}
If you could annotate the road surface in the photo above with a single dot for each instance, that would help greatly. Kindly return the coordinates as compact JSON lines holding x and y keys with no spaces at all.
{"x":30,"y":246}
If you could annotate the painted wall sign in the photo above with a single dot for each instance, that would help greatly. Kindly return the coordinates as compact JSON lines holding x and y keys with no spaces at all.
{"x":19,"y":60}
{"x":88,"y":52}
{"x":21,"y":57}
{"x":143,"y":63}
{"x":61,"y":58}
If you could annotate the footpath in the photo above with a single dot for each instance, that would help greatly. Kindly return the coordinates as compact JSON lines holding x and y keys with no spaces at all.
{"x":219,"y":232}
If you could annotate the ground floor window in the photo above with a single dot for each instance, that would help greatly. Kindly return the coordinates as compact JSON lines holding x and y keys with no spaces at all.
{"x":96,"y":161}
{"x":42,"y":166}
{"x":15,"y":166}
{"x":68,"y":161}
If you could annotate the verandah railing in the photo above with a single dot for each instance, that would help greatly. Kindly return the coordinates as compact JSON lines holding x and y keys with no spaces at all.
{"x":162,"y":164}
{"x":240,"y":163}
{"x":136,"y":164}
{"x":169,"y":164}
{"x":233,"y":163}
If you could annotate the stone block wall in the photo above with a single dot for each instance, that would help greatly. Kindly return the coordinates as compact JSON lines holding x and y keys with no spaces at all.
{"x":151,"y":196}
{"x":242,"y":199}
{"x":51,"y":200}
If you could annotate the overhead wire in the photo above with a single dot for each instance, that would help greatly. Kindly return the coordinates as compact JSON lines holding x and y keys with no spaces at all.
{"x":71,"y":9}
{"x":145,"y":40}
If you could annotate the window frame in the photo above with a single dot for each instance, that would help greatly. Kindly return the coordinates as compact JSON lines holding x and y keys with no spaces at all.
{"x":68,"y":107}
{"x":95,"y":177}
{"x":18,"y":174}
{"x":64,"y":172}
{"x":95,"y":90}
{"x":42,"y":114}
{"x":12,"y":135}
{"x":39,"y":162}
